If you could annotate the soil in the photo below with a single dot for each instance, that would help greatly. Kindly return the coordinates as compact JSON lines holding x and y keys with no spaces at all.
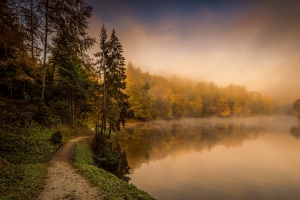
{"x":63,"y":181}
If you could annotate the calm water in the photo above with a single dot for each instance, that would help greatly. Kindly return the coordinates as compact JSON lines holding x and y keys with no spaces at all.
{"x":249,"y":158}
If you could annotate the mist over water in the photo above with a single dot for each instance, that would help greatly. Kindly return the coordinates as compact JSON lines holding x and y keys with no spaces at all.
{"x":216,"y":158}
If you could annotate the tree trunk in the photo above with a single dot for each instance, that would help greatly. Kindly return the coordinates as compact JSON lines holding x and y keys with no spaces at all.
{"x":73,"y":108}
{"x":11,"y":92}
{"x":109,"y":132}
{"x":45,"y":50}
{"x":32,"y":38}
{"x":53,"y":67}
{"x":104,"y":101}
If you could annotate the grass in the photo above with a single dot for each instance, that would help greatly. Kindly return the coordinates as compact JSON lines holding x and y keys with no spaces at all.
{"x":24,"y":154}
{"x":26,"y":146}
{"x":72,"y":132}
{"x":27,"y":185}
{"x":108,"y":184}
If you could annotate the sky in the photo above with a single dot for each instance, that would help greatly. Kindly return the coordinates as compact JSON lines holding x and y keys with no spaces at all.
{"x":251,"y":43}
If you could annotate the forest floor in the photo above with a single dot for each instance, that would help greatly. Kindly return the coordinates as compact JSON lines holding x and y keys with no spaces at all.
{"x":63,"y":181}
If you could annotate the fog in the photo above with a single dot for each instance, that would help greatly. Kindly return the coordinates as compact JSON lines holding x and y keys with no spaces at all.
{"x":215,"y":158}
{"x":256,"y":45}
{"x":157,"y":140}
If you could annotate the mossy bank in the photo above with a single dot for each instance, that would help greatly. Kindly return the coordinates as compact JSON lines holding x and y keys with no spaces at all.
{"x":108,"y":184}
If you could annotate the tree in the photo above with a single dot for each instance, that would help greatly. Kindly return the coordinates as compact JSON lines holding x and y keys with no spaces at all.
{"x":180,"y":103}
{"x":14,"y":67}
{"x":115,"y":78}
{"x":139,"y":100}
{"x":100,"y":73}
{"x":223,"y":108}
{"x":111,"y":72}
{"x":68,"y":55}
{"x":30,"y":19}
{"x":167,"y":105}
{"x":196,"y":106}
{"x":46,"y":7}
{"x":296,"y":107}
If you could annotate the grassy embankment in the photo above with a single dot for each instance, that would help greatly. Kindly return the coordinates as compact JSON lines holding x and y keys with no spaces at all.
{"x":24,"y":156}
{"x":108,"y":184}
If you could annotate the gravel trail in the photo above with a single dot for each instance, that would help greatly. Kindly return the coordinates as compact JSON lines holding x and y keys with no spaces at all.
{"x":63,"y":181}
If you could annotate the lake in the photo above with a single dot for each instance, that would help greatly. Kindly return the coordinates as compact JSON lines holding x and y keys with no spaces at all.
{"x":231,"y":158}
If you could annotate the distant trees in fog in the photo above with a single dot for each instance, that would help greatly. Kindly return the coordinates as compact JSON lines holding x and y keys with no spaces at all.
{"x":296,"y":107}
{"x":156,"y":97}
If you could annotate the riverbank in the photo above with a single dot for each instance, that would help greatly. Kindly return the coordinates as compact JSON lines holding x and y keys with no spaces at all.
{"x":109,"y":186}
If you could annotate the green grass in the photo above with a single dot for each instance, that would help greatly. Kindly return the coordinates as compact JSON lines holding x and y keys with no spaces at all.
{"x":109,"y":185}
{"x":25,"y":181}
{"x":23,"y":156}
{"x":72,"y":132}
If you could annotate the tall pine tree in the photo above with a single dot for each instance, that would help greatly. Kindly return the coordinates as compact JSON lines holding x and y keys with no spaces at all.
{"x":111,"y":70}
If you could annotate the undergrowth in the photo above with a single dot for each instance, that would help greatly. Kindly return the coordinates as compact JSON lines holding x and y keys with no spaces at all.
{"x":24,"y":181}
{"x":23,"y":156}
{"x":30,"y":145}
{"x":24,"y":153}
{"x":109,"y":185}
{"x":72,"y":132}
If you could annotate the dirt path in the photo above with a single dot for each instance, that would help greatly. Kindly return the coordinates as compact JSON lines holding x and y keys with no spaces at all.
{"x":63,"y":181}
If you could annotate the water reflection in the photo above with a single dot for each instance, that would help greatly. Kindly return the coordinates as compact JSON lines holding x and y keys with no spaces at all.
{"x":157,"y":140}
{"x":295,"y":131}
{"x":215,"y":159}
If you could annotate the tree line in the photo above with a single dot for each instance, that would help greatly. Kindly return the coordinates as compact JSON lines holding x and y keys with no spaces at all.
{"x":157,"y":97}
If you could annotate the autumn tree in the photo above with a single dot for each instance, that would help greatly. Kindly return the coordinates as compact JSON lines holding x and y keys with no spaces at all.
{"x":168,"y":101}
{"x":180,"y":103}
{"x":140,"y":100}
{"x":14,"y":58}
{"x":223,"y":108}
{"x":30,"y":19}
{"x":196,"y":106}
{"x":139,"y":92}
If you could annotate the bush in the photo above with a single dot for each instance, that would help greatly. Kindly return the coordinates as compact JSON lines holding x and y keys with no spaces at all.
{"x":9,"y":172}
{"x":56,"y":139}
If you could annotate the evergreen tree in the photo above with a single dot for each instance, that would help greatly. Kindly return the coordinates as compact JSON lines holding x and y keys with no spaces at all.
{"x":111,"y":73}
{"x":100,"y":73}
{"x":115,"y":82}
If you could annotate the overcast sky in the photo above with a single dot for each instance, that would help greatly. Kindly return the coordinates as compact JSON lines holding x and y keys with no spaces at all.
{"x":255,"y":44}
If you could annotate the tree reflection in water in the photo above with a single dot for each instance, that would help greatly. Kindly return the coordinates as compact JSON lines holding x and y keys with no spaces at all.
{"x":109,"y":157}
{"x":157,"y":140}
{"x":295,"y":131}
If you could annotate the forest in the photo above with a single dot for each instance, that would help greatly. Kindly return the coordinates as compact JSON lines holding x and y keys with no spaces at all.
{"x":45,"y":68}
{"x":51,"y":90}
{"x":157,"y":97}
